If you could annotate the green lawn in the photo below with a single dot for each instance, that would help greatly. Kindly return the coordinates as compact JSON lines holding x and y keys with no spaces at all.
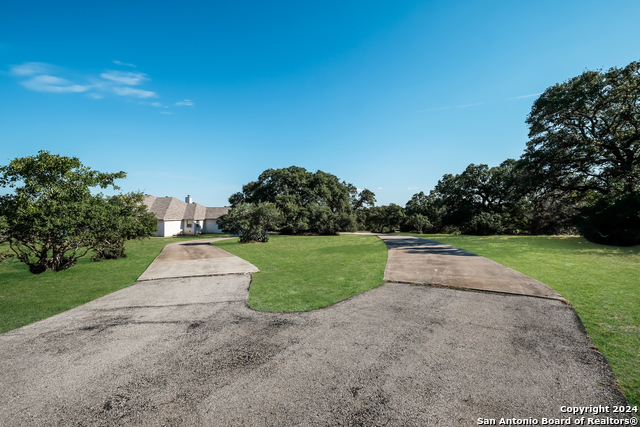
{"x":26,"y":298}
{"x":299,"y":273}
{"x":601,"y":282}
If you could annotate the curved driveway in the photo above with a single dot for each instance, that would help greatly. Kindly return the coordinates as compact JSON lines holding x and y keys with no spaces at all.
{"x":188,"y":351}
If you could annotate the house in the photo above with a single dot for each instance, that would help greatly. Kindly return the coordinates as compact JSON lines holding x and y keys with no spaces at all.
{"x":178,"y":217}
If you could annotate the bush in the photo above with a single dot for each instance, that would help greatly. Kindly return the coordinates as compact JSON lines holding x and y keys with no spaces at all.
{"x":612,"y":222}
{"x":490,"y":223}
{"x":450,"y":229}
{"x":553,"y":214}
{"x":484,"y":224}
{"x":327,"y":222}
{"x":107,"y":251}
{"x":420,"y":223}
{"x":251,"y":221}
{"x":381,"y":218}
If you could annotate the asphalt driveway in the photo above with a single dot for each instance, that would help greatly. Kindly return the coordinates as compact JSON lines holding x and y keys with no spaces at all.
{"x":188,"y":351}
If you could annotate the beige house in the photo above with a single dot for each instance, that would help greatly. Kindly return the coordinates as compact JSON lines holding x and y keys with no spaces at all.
{"x":178,"y":217}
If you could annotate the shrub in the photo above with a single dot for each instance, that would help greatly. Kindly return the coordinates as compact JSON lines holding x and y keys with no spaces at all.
{"x":251,"y":221}
{"x":420,"y":223}
{"x":612,"y":222}
{"x":485,"y":223}
{"x":107,"y":251}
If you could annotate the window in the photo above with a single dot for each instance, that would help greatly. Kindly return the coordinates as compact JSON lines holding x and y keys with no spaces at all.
{"x":188,"y":224}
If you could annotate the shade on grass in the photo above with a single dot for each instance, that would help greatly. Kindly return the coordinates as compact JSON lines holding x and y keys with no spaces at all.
{"x":26,"y":298}
{"x":300,"y":273}
{"x":601,"y":282}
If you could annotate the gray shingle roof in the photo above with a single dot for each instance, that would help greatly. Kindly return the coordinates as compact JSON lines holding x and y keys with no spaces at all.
{"x":215,"y":213}
{"x":172,"y":209}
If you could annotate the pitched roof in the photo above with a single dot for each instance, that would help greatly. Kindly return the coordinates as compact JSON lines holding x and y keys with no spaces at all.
{"x":172,"y":209}
{"x":215,"y":213}
{"x":195,"y":211}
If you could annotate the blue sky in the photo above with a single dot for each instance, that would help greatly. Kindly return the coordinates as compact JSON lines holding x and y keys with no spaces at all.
{"x":200,"y":97}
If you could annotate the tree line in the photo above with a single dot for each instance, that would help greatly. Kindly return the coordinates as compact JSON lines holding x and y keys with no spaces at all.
{"x":580,"y":173}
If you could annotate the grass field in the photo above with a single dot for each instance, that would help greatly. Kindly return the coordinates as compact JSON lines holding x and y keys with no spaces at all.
{"x":26,"y":298}
{"x":300,"y":273}
{"x":601,"y":282}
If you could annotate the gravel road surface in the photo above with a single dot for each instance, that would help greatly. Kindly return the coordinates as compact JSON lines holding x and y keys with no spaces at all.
{"x":187,"y":351}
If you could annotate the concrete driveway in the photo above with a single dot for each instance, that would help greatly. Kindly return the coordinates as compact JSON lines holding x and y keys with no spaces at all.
{"x":188,"y":351}
{"x":427,"y":262}
{"x":195,"y":258}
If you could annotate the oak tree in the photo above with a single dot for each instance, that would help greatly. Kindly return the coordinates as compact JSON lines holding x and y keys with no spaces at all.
{"x":585,"y":144}
{"x":52,"y":219}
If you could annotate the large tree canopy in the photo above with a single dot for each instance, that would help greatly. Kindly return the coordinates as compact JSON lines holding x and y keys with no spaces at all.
{"x":480,"y":186}
{"x":585,"y":133}
{"x":308,"y":202}
{"x":585,"y":146}
{"x":580,"y":170}
{"x":52,"y":219}
{"x":482,"y":200}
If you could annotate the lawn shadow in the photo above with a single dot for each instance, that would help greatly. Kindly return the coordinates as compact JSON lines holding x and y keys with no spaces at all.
{"x":421,"y":246}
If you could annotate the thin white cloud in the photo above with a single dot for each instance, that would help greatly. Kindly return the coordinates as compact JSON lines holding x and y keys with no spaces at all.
{"x":469,"y":105}
{"x":136,"y":93}
{"x":31,"y":68}
{"x":127,"y":78}
{"x":412,"y":188}
{"x":527,"y":96}
{"x":380,"y":188}
{"x":42,"y":77}
{"x":166,"y":112}
{"x":124,"y":63}
{"x":53,"y":84}
{"x":184,"y":103}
